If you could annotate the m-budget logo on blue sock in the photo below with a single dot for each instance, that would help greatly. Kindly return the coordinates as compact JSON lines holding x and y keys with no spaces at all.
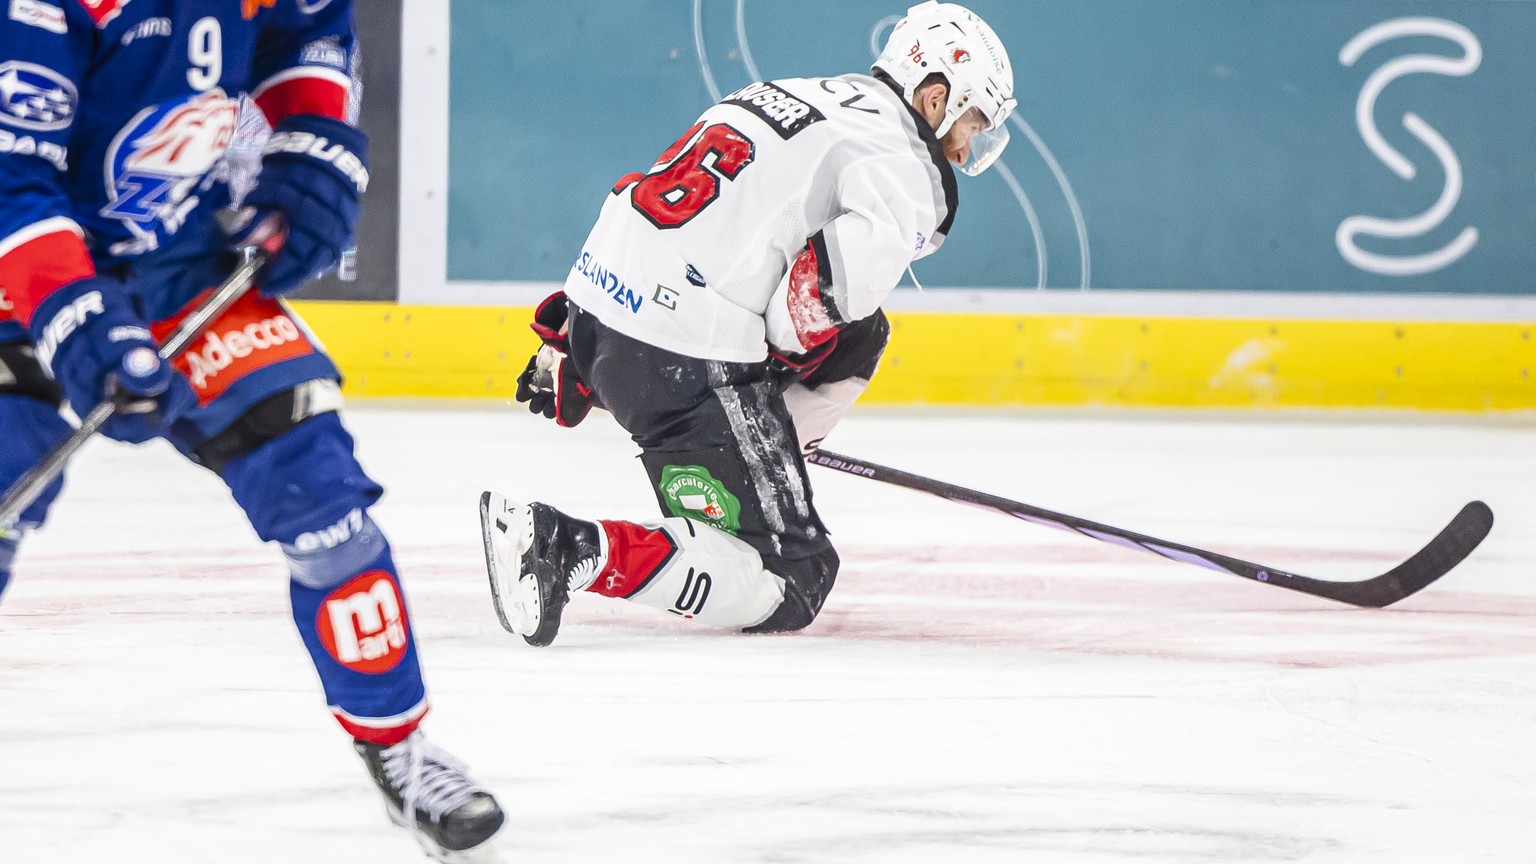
{"x":362,"y":623}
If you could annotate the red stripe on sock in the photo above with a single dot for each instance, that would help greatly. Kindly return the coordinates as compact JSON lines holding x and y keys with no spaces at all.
{"x":386,"y":737}
{"x":635,"y":554}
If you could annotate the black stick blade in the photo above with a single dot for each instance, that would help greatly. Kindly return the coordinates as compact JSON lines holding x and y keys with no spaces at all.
{"x":1449,"y":548}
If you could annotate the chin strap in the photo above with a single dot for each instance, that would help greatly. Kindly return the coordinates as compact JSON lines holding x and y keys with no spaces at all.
{"x":914,"y":278}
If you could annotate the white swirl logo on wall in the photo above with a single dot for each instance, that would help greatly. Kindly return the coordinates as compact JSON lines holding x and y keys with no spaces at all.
{"x":1365,"y":109}
{"x":999,"y":168}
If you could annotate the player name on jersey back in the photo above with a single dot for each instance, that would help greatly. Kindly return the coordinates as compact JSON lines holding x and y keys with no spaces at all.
{"x":784,"y":113}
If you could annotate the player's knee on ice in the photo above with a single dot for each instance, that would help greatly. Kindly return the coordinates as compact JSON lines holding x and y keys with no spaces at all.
{"x":807,"y":581}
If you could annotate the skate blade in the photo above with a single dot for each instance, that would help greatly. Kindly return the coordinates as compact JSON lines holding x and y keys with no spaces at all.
{"x":485,"y":853}
{"x":507,"y":529}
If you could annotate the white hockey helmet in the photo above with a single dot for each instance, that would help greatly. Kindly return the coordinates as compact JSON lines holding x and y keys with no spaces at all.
{"x":951,"y":40}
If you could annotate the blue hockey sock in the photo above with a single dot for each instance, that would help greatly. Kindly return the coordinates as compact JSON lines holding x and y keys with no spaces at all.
{"x":351,"y":614}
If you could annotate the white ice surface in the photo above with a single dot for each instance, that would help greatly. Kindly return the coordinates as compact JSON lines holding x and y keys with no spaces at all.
{"x":978,"y":689}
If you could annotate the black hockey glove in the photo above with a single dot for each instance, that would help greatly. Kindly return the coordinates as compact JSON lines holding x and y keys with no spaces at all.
{"x":550,"y":385}
{"x":854,"y":351}
{"x":796,"y":367}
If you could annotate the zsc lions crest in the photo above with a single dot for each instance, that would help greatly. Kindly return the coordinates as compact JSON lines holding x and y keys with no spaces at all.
{"x":157,"y":160}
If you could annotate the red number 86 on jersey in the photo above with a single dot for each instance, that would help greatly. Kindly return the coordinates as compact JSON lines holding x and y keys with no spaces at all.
{"x":680,"y":186}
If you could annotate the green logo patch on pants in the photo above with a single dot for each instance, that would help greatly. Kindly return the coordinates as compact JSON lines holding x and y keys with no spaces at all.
{"x":690,"y":491}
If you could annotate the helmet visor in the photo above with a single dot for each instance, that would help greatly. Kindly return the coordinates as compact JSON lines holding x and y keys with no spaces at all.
{"x":985,"y":147}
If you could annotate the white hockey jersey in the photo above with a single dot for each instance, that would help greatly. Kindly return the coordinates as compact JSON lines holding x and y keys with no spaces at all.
{"x":694,"y":256}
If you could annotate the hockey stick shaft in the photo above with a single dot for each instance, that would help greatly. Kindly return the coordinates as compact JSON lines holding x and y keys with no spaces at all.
{"x":31,"y":484}
{"x":1448,"y":549}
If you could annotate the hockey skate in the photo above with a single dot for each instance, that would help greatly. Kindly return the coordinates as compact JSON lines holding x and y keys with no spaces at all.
{"x":453,"y":819}
{"x":536,"y":556}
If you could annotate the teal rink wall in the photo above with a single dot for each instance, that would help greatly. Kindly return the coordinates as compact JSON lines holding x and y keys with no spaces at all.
{"x":1337,"y":146}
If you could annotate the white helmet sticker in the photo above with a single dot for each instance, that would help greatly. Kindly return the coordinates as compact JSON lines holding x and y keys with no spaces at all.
{"x":950,"y":40}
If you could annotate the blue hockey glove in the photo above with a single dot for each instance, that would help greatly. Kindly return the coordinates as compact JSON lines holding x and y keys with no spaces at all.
{"x":99,"y":348}
{"x":549,"y":384}
{"x":313,"y":174}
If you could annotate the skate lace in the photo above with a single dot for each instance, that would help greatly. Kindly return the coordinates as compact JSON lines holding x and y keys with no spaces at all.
{"x":583,"y":573}
{"x":429,"y":780}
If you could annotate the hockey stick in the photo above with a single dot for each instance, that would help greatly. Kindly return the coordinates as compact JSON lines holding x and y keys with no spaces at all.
{"x":31,"y":484}
{"x":1454,"y":543}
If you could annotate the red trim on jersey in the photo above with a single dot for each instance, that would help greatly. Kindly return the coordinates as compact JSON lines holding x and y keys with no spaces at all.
{"x":254,"y":333}
{"x":303,"y":95}
{"x":626,"y":180}
{"x":37,"y":268}
{"x":635,"y":554}
{"x":677,"y":146}
{"x":807,"y":311}
{"x":103,"y":11}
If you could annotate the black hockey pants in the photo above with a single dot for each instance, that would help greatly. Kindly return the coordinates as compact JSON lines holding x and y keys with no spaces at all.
{"x":719,"y":445}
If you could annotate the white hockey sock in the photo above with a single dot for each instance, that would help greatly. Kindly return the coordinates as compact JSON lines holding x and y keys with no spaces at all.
{"x":689,"y":569}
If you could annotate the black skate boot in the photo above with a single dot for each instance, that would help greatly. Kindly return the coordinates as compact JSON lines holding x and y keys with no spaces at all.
{"x":453,"y":819}
{"x":536,"y":556}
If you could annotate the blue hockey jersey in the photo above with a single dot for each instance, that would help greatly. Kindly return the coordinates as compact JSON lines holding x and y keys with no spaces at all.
{"x":115,"y":116}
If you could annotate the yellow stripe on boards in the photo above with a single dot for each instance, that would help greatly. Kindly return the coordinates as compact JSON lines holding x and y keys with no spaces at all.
{"x":944,"y":358}
{"x":424,"y":351}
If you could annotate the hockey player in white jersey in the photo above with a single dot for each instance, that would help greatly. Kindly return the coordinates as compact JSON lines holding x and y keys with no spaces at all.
{"x":726,"y":310}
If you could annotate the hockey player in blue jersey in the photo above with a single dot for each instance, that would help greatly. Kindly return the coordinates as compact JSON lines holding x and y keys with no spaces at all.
{"x":114,"y":121}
